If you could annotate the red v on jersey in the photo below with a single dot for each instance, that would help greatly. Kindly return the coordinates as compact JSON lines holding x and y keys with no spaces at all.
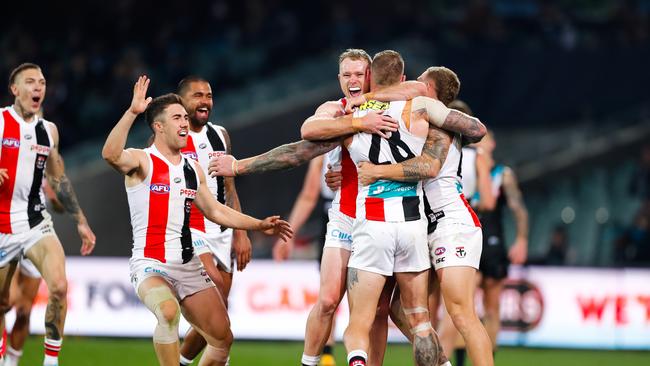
{"x":158,"y":211}
{"x":9,"y":161}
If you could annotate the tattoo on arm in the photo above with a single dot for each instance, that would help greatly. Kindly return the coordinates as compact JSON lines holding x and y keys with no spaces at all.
{"x":65,"y":193}
{"x":353,"y":278}
{"x":289,"y":156}
{"x":471,"y":128}
{"x":435,"y":148}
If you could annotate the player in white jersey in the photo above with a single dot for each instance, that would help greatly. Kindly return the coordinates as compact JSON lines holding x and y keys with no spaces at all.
{"x":30,"y":150}
{"x":216,"y":246}
{"x":454,"y":230}
{"x":161,"y":187}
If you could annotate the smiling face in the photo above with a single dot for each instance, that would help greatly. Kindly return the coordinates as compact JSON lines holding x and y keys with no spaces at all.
{"x":28,"y":89}
{"x":172,"y":125}
{"x":197,"y":100}
{"x":353,"y":77}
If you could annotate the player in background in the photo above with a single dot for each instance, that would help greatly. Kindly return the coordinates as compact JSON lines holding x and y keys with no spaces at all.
{"x":216,"y":246}
{"x":161,"y":186}
{"x":30,"y":150}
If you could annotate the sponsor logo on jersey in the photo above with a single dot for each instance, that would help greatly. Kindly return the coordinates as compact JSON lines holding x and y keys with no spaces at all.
{"x":159,"y":188}
{"x":28,"y":137}
{"x":188,"y":207}
{"x":338,"y":234}
{"x":374,"y":105}
{"x":459,"y":187}
{"x":440,"y":251}
{"x":40,"y":161}
{"x":41,"y":149}
{"x":203,"y":145}
{"x":460,"y":252}
{"x":155,"y":270}
{"x":177,"y":180}
{"x":188,"y":193}
{"x":215,"y":154}
{"x":440,"y":260}
{"x":191,"y":155}
{"x":11,"y":142}
{"x":389,"y":189}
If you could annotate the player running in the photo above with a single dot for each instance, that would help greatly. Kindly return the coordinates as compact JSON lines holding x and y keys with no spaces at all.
{"x":30,"y":150}
{"x":161,"y":187}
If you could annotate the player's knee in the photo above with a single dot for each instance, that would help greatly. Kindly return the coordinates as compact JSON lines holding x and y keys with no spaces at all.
{"x":169,"y":312}
{"x":58,"y":289}
{"x":165,"y":307}
{"x":23,"y":310}
{"x":328,"y":304}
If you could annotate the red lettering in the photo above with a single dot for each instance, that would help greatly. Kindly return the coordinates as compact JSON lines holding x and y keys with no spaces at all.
{"x":645,"y":301}
{"x":310,"y":297}
{"x":621,"y":317}
{"x":592,"y":307}
{"x":253,"y":293}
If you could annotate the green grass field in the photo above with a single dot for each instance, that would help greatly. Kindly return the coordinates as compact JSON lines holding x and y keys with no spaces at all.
{"x":82,"y":351}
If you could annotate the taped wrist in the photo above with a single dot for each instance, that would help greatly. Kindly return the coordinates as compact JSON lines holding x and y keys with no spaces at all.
{"x":166,"y":330}
{"x":436,"y":111}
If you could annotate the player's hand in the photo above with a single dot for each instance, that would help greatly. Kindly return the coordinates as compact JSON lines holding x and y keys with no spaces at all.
{"x":222,"y":166}
{"x":3,"y":175}
{"x":378,"y":124}
{"x":140,"y":101}
{"x":282,"y":249}
{"x":87,"y":238}
{"x":241,"y":244}
{"x":333,"y":178}
{"x":367,"y":173}
{"x":353,"y":102}
{"x":273,"y":225}
{"x":518,"y":251}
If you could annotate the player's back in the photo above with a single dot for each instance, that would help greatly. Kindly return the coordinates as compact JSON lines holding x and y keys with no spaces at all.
{"x":384,"y":200}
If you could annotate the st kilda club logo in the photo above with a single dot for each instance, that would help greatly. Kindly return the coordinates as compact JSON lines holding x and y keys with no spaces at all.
{"x":460,"y":252}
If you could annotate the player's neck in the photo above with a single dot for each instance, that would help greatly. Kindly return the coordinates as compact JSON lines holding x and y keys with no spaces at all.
{"x":196,"y":127}
{"x":25,"y":115}
{"x":172,"y":155}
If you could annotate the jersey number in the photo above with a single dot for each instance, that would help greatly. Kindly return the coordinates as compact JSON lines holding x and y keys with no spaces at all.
{"x":397,"y":147}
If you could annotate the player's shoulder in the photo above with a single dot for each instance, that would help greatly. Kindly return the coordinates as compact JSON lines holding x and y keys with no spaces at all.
{"x":217,"y":127}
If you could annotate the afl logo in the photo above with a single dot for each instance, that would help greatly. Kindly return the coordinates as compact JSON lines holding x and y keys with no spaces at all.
{"x":11,"y":143}
{"x":202,"y":145}
{"x":159,"y":188}
{"x":440,"y":251}
{"x":191,"y":155}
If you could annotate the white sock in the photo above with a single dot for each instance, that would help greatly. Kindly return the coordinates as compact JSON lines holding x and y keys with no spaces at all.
{"x":357,"y":353}
{"x":12,"y":357}
{"x":310,"y":360}
{"x":52,"y":346}
{"x":185,"y":361}
{"x":448,"y":363}
{"x":228,"y":361}
{"x":50,"y":361}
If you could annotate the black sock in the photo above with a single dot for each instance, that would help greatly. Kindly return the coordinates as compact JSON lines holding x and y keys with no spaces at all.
{"x":460,"y":357}
{"x":328,"y":350}
{"x":357,"y":361}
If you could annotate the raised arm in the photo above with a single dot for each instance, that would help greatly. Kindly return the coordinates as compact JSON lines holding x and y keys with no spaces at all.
{"x":519,"y":250}
{"x":406,"y":90}
{"x":450,"y":119}
{"x":427,"y":165}
{"x":126,"y":161}
{"x":226,"y":216}
{"x":329,"y":122}
{"x":62,"y":187}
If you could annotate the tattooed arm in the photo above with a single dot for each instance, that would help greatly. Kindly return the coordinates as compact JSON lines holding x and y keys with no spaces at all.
{"x":427,"y":165}
{"x":61,"y":185}
{"x":450,"y":119}
{"x":519,"y":250}
{"x":406,"y":90}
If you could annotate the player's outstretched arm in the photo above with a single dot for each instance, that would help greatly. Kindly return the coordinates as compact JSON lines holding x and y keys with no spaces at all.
{"x":427,"y":165}
{"x":62,"y":187}
{"x":126,"y":161}
{"x":329,"y":122}
{"x":519,"y":249}
{"x":406,"y":90}
{"x":226,"y":216}
{"x":282,"y":157}
{"x":450,"y":119}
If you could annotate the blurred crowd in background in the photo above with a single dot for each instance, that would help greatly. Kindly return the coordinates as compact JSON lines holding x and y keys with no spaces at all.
{"x":591,"y":66}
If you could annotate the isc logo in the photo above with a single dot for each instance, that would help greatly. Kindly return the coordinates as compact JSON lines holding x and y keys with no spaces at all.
{"x":159,"y":188}
{"x":11,"y":142}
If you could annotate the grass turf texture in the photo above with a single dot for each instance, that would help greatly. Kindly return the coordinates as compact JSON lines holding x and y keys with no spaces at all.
{"x":82,"y":351}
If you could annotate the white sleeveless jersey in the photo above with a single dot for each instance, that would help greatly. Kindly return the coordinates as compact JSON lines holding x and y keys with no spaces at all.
{"x":25,"y":149}
{"x":202,"y":147}
{"x":468,"y":169}
{"x":160,"y":209}
{"x":384,"y":200}
{"x":325,"y":191}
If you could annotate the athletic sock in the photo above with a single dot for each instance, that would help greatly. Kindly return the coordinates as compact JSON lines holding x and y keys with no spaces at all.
{"x":460,"y":356}
{"x":3,"y":343}
{"x":328,"y":350}
{"x":185,"y":361}
{"x":12,"y":357}
{"x":52,"y":349}
{"x":310,"y":360}
{"x":357,"y":357}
